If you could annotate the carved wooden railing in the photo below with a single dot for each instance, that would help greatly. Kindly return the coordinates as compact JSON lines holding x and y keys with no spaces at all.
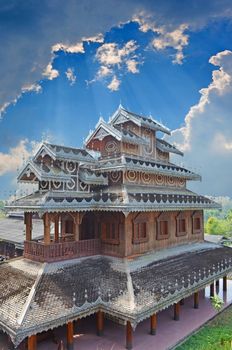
{"x":38,"y":251}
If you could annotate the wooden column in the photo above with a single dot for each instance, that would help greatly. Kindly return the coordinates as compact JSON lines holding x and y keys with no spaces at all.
{"x":212,"y":289}
{"x":77,"y":222}
{"x":129,"y":335}
{"x":217,"y":283}
{"x":32,"y":342}
{"x":28,"y":223}
{"x":127,"y":237}
{"x":56,"y":229}
{"x":153,"y":320}
{"x":177,"y":311}
{"x":225,"y":283}
{"x":47,"y":237}
{"x":70,"y":336}
{"x":196,"y":300}
{"x":182,"y":302}
{"x":100,"y":323}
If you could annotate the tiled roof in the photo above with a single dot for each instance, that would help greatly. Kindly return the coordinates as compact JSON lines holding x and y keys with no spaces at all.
{"x":139,"y":164}
{"x":70,"y":153}
{"x":147,"y":122}
{"x":131,"y":290}
{"x":165,"y":146}
{"x":120,"y":200}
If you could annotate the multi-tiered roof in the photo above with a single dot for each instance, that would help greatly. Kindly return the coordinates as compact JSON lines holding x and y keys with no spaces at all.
{"x":124,"y":166}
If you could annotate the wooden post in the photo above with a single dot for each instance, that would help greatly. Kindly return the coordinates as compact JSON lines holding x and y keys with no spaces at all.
{"x":217,"y":283}
{"x":28,"y":223}
{"x":56,"y":229}
{"x":177,"y":311}
{"x":100,"y":323}
{"x":225,"y":283}
{"x":128,"y":335}
{"x":153,"y":320}
{"x":212,"y":289}
{"x":32,"y":342}
{"x":196,"y":300}
{"x":182,"y":302}
{"x":47,"y":238}
{"x":127,"y":237}
{"x":70,"y":336}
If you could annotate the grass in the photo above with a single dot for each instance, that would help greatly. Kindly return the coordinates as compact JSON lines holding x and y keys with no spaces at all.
{"x":216,"y":335}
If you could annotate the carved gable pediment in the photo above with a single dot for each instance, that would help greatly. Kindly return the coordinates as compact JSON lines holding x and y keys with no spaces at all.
{"x":100,"y":134}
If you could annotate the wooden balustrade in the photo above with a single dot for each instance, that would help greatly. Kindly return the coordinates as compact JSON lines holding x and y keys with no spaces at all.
{"x":60,"y":251}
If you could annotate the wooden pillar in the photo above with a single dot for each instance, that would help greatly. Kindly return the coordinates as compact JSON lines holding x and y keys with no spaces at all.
{"x":100,"y":323}
{"x":28,"y":223}
{"x":196,"y":300}
{"x":182,"y":302}
{"x":56,"y":229}
{"x":225,"y":283}
{"x":217,"y":283}
{"x":32,"y":342}
{"x":127,"y":237}
{"x":70,"y":336}
{"x":176,"y":311}
{"x":212,"y":289}
{"x":129,"y":335}
{"x":153,"y":320}
{"x":47,"y":237}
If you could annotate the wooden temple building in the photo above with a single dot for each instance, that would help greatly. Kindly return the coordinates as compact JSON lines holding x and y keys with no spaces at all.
{"x":123,"y":236}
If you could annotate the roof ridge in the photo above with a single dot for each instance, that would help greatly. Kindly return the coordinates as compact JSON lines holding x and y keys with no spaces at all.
{"x":31,"y":295}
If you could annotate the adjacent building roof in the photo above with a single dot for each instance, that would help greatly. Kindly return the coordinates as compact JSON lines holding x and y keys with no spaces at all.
{"x":128,"y":289}
{"x":12,"y":230}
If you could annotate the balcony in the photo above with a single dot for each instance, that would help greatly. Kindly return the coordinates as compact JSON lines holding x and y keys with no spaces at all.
{"x":38,"y":251}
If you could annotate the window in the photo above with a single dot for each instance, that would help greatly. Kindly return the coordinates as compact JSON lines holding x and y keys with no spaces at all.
{"x":68,"y":226}
{"x":197,"y":222}
{"x":181,"y":225}
{"x":110,"y":232}
{"x":140,"y":234}
{"x":163,"y":229}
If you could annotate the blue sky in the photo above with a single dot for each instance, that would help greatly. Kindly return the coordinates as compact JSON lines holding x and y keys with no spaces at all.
{"x":153,"y":58}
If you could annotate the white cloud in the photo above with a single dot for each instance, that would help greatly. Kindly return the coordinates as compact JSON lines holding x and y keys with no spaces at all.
{"x":10,"y":162}
{"x":104,"y":71}
{"x":206,"y":136}
{"x":165,"y":36}
{"x":31,"y":87}
{"x":132,"y":66}
{"x":114,"y":58}
{"x":111,"y":54}
{"x":114,"y":84}
{"x":176,"y":39}
{"x":71,"y":76}
{"x":50,"y":73}
{"x":67,"y":24}
{"x":69,"y":48}
{"x":99,"y":38}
